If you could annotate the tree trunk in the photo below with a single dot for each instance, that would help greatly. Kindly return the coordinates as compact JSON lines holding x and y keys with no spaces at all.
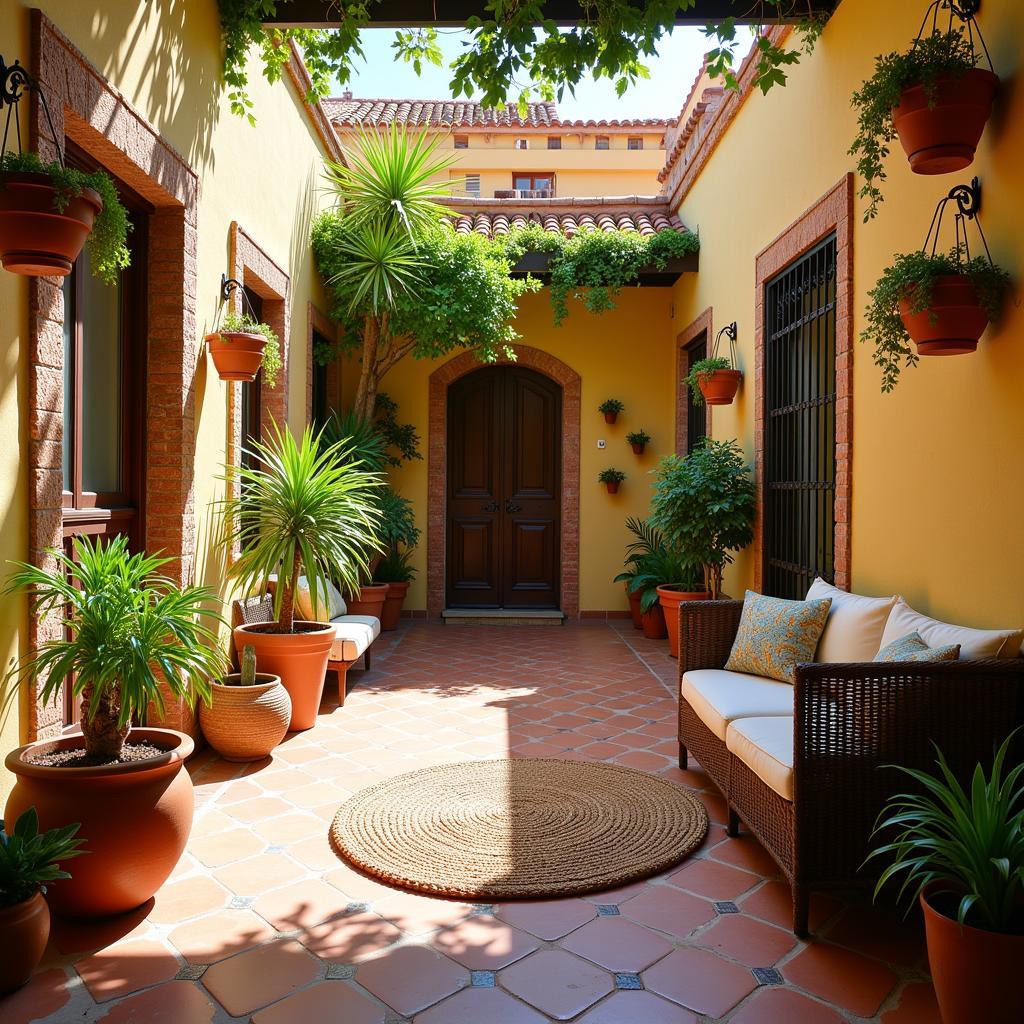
{"x":366,"y":392}
{"x":286,"y":617}
{"x":104,"y":738}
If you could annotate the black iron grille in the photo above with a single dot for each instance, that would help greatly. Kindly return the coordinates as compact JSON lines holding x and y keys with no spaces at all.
{"x":696,"y":415}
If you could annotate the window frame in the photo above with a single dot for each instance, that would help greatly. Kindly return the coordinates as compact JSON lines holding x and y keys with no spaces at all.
{"x":606,"y":139}
{"x":637,"y":139}
{"x":460,"y":142}
{"x":533,"y":176}
{"x":556,"y":139}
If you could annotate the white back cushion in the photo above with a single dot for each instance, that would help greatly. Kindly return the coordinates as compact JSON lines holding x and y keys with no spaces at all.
{"x":853,"y":631}
{"x":974,"y":643}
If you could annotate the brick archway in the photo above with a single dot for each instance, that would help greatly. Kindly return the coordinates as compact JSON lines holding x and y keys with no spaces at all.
{"x":437,"y":470}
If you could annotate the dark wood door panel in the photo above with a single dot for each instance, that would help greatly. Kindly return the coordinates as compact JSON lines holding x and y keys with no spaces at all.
{"x":472,"y":437}
{"x":472,"y":561}
{"x":533,"y":457}
{"x":532,"y":573}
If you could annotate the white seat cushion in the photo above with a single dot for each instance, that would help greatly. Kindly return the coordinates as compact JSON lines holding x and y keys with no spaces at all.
{"x":718,"y":697}
{"x":974,"y":643}
{"x":765,"y":746}
{"x":353,"y":634}
{"x":853,"y":630}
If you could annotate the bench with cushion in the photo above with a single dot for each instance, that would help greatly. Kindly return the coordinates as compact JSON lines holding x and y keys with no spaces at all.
{"x":803,"y":764}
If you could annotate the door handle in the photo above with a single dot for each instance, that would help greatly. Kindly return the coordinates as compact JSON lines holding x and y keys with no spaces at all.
{"x":510,"y":507}
{"x":492,"y":507}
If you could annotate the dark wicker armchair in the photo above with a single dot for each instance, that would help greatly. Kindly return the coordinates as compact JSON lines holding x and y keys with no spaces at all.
{"x":850,"y":721}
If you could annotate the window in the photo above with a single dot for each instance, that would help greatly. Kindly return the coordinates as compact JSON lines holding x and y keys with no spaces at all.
{"x":320,"y":402}
{"x":800,"y":423}
{"x":526,"y":182}
{"x":554,"y":142}
{"x":251,"y":408}
{"x":635,"y":142}
{"x":602,"y":142}
{"x":471,"y":183}
{"x":462,"y":142}
{"x":696,"y":415}
{"x":522,"y":143}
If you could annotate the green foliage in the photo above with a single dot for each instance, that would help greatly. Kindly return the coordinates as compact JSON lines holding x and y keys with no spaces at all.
{"x":611,"y":405}
{"x":398,"y":520}
{"x":394,"y":567}
{"x":243,"y":323}
{"x":928,"y":60}
{"x":247,"y":674}
{"x":30,"y":858}
{"x":970,"y":841}
{"x":698,"y":369}
{"x":360,"y":440}
{"x":912,"y":276}
{"x":125,"y":628}
{"x":108,"y":250}
{"x":611,"y":476}
{"x":315,"y":512}
{"x":650,"y":564}
{"x":403,"y":439}
{"x":638,"y":437}
{"x":704,"y":505}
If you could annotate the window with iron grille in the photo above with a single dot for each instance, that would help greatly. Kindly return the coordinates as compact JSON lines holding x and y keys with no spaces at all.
{"x":554,"y":142}
{"x":696,"y":415}
{"x":602,"y":142}
{"x":471,"y":183}
{"x":800,"y":423}
{"x":635,"y":142}
{"x":522,"y":143}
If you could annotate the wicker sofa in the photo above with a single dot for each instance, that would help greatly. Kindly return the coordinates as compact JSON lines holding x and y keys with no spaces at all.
{"x":803,"y":767}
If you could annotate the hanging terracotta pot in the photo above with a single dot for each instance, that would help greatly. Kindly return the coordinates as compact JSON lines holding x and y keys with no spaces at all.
{"x":610,"y":417}
{"x":941,"y":131}
{"x":236,"y":354}
{"x":24,"y":931}
{"x":37,"y":239}
{"x":652,"y":622}
{"x":612,"y":485}
{"x":719,"y":387}
{"x":245,"y":723}
{"x":634,"y":608}
{"x":670,"y":597}
{"x":135,"y":819}
{"x":392,"y":610}
{"x":369,"y":601}
{"x":954,"y":321}
{"x":638,"y":449}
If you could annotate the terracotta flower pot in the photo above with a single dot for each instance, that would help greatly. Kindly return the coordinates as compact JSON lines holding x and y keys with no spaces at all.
{"x":719,"y":387}
{"x":299,"y":658}
{"x":612,"y":485}
{"x":245,"y":723}
{"x":610,"y":417}
{"x":670,"y":597}
{"x":35,"y":238}
{"x":24,"y":931}
{"x":959,"y":318}
{"x":638,"y":449}
{"x":634,"y":608}
{"x":652,"y":622}
{"x":135,"y":818}
{"x":392,"y":610}
{"x":943,"y":136}
{"x":236,"y":354}
{"x":369,"y":601}
{"x":975,"y":972}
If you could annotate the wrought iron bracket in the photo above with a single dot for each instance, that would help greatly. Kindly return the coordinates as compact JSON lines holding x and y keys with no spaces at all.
{"x":227,"y":286}
{"x":968,"y":205}
{"x":14,"y":79}
{"x":967,"y":197}
{"x":729,"y":330}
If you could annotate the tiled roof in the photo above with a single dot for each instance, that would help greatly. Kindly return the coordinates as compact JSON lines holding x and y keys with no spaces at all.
{"x":494,"y":217}
{"x":350,"y":113}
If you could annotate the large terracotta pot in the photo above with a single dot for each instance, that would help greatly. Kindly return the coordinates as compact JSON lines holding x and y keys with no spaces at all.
{"x":35,"y":238}
{"x":959,"y":319}
{"x":236,"y":354}
{"x":135,"y":819}
{"x":299,"y":658}
{"x":634,"y":608}
{"x":652,"y":622}
{"x":975,"y":972}
{"x":24,"y":931}
{"x":671,"y":596}
{"x":393,"y":602}
{"x":245,"y":723}
{"x":369,"y":601}
{"x":719,"y":387}
{"x":940,"y":134}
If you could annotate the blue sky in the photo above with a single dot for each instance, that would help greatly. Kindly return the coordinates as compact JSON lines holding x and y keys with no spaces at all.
{"x":672,"y":74}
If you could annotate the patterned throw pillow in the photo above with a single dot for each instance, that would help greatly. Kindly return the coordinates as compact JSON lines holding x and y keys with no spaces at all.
{"x":912,"y":648}
{"x":775,"y":635}
{"x":304,"y":603}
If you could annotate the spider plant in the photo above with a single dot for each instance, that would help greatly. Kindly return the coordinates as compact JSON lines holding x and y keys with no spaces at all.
{"x":125,"y":629}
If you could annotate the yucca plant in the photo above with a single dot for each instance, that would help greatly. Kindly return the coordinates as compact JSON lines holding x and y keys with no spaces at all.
{"x":968,"y":841}
{"x":307,"y":510}
{"x":125,"y":629}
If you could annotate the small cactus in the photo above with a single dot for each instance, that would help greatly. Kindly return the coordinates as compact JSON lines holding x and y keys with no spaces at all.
{"x":248,"y":666}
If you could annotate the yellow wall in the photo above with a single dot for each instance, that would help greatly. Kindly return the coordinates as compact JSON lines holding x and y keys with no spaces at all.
{"x":937,"y":491}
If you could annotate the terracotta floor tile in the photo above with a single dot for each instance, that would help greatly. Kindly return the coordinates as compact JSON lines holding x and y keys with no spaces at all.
{"x":355,"y":885}
{"x":225,"y":847}
{"x":178,"y":901}
{"x":668,"y":910}
{"x":261,"y":976}
{"x":618,"y":944}
{"x":290,"y":828}
{"x":210,"y":823}
{"x":72,"y":937}
{"x":315,"y":853}
{"x":747,"y":853}
{"x":617,"y":896}
{"x":411,"y":978}
{"x":301,"y":905}
{"x":219,"y":935}
{"x":879,"y":933}
{"x":841,"y":977}
{"x":258,"y":874}
{"x":327,"y":1001}
{"x":643,"y":760}
{"x":258,"y":809}
{"x":712,"y":880}
{"x":177,"y":1002}
{"x":547,"y":919}
{"x":700,"y":981}
{"x":45,"y":993}
{"x":238,"y":791}
{"x":350,"y":937}
{"x":774,"y":902}
{"x":780,"y":1006}
{"x":916,"y":1005}
{"x":638,"y":1008}
{"x":125,"y":967}
{"x":484,"y":943}
{"x":748,"y":940}
{"x":557,"y":983}
{"x":481,"y":1006}
{"x":416,"y":915}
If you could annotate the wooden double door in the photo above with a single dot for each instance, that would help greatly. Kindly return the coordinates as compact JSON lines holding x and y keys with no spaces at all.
{"x":504,"y":490}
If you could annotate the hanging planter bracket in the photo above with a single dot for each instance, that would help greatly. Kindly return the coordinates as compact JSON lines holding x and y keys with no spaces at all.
{"x":729,"y":330}
{"x":968,"y":203}
{"x":14,"y":80}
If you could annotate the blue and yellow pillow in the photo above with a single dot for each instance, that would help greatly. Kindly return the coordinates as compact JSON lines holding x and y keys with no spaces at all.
{"x":912,"y":648}
{"x":775,"y":635}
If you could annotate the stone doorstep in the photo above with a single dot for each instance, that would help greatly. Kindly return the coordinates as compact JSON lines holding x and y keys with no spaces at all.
{"x":502,"y":617}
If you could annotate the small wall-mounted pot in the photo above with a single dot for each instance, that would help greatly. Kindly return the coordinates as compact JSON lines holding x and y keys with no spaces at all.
{"x":638,"y":449}
{"x":719,"y":387}
{"x":236,"y":354}
{"x":610,"y":417}
{"x":612,"y":485}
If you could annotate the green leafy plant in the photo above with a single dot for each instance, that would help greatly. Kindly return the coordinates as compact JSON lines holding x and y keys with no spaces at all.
{"x":930,"y":58}
{"x":704,"y":505}
{"x":398,"y":520}
{"x":125,"y":629}
{"x":611,"y":476}
{"x":108,"y":249}
{"x":314,"y":512}
{"x":395,"y":567}
{"x":701,"y":368}
{"x":29,"y":859}
{"x":912,"y":276}
{"x":638,"y":437}
{"x":244,"y":323}
{"x":965,"y":842}
{"x":647,"y":540}
{"x":658,"y":568}
{"x":611,"y":406}
{"x":358,"y":438}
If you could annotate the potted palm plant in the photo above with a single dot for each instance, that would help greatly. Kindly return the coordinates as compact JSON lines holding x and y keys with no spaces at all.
{"x":959,"y":852}
{"x":653,"y":569}
{"x":128,"y":636}
{"x":647,"y":541}
{"x":242,"y":346}
{"x":611,"y":478}
{"x":301,"y":510}
{"x":29,"y":860}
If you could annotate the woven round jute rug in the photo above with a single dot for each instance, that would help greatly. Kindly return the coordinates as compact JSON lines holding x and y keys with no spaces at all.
{"x":524,"y":828}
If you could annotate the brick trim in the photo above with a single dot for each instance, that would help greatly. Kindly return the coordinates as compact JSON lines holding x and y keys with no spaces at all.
{"x":437,"y":469}
{"x":87,"y":110}
{"x":684,"y":338}
{"x":833,"y":212}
